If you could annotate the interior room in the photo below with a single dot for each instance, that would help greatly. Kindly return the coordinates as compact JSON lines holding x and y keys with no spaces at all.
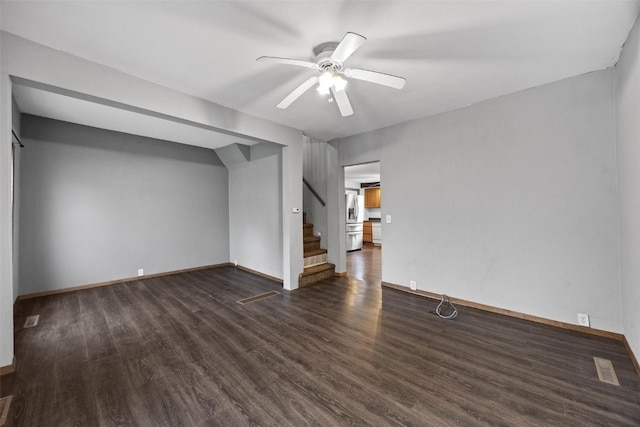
{"x":329,"y":213}
{"x":363,"y":204}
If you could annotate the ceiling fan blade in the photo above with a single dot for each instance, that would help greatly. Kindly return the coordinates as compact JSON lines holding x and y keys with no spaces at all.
{"x":349,"y":44}
{"x":342,"y":100}
{"x":288,"y":61}
{"x":297,"y":92}
{"x":375,"y":77}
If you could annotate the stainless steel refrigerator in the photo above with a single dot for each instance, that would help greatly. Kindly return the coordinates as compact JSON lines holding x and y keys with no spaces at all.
{"x":354,"y":208}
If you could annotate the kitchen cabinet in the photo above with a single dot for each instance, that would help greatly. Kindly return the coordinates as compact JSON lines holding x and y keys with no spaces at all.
{"x":367,"y":234}
{"x":376,"y":232}
{"x":372,"y":197}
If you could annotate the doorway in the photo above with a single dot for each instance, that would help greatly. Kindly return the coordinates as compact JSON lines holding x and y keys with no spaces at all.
{"x":363,"y":208}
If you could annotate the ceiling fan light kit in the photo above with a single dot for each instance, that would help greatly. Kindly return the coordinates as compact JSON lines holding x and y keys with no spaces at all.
{"x":329,"y":79}
{"x":330,"y":58}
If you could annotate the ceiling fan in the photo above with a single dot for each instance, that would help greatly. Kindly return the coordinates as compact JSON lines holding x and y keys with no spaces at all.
{"x":330,"y":58}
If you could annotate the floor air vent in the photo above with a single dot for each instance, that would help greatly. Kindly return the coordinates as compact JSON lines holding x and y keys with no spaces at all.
{"x":257,"y":297}
{"x":606,"y":373}
{"x":31,"y":321}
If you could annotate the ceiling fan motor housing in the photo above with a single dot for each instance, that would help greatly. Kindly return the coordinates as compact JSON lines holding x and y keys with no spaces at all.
{"x":323,"y":54}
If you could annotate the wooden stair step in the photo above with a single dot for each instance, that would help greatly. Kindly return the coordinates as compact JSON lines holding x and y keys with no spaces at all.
{"x":314,"y":252}
{"x":311,"y":243}
{"x":316,"y":273}
{"x":315,"y":258}
{"x":307,"y":230}
{"x":319,"y":268}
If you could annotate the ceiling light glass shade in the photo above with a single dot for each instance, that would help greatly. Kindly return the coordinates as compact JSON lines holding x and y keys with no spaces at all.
{"x":326,"y":79}
{"x":339,"y":83}
{"x":323,"y":90}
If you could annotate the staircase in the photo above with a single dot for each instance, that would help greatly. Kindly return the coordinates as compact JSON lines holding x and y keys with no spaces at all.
{"x":316,"y":267}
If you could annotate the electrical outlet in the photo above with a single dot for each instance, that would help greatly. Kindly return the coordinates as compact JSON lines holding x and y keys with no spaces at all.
{"x":412,"y":285}
{"x":388,"y":219}
{"x":141,"y":272}
{"x":235,"y":262}
{"x":583,"y":319}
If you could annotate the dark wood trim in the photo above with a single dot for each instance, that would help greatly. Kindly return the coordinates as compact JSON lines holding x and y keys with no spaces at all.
{"x":317,"y":196}
{"x":257,"y":273}
{"x":631,"y":355}
{"x":9,"y":369}
{"x":510,"y":313}
{"x":114,"y":282}
{"x":17,"y":138}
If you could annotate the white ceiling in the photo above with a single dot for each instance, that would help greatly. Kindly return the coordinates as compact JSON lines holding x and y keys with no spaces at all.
{"x":452,"y":53}
{"x":367,"y":172}
{"x":69,"y":109}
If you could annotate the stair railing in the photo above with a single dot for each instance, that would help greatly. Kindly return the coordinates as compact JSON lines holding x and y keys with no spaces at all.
{"x":314,"y":192}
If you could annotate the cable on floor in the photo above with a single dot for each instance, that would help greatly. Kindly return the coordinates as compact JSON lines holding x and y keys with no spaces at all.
{"x":443,"y":309}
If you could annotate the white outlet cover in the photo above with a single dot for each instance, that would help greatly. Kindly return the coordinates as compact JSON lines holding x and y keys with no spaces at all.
{"x":583,"y":319}
{"x":412,"y":285}
{"x":388,"y":219}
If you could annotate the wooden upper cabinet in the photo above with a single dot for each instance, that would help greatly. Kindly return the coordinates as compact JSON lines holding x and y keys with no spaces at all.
{"x":372,"y":197}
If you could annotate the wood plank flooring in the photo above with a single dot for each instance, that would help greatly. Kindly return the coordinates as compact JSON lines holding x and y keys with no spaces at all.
{"x":366,"y":264}
{"x":181,"y":351}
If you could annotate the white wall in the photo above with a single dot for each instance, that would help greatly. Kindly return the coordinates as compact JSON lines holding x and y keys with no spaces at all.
{"x":15,"y":125}
{"x":255,"y":211}
{"x":627,"y":78}
{"x":70,"y":74}
{"x":510,"y":202}
{"x":96,"y":205}
{"x":373,"y":213}
{"x":292,"y":247}
{"x":6,"y":223}
{"x":352,"y":185}
{"x":322,"y":171}
{"x":315,"y":172}
{"x":336,"y":224}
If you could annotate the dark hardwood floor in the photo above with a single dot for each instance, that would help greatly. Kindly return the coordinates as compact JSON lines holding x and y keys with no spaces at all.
{"x":179,"y":350}
{"x":366,"y":264}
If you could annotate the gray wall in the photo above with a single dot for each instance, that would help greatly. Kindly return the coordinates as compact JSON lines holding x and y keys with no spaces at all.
{"x":321,"y":169}
{"x":314,"y":170}
{"x":16,"y":125}
{"x":15,"y":116}
{"x":255,"y":211}
{"x":510,"y":202}
{"x":97,"y":205}
{"x":79,"y":77}
{"x":628,"y":151}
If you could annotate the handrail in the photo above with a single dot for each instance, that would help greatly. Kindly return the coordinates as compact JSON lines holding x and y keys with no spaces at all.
{"x":17,"y":138}
{"x":314,"y":192}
